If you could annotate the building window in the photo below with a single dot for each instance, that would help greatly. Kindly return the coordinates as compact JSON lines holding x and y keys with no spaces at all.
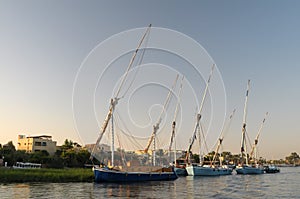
{"x":37,"y":144}
{"x":44,"y":143}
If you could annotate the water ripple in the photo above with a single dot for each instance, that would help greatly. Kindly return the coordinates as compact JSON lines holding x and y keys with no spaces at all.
{"x":281,"y":185}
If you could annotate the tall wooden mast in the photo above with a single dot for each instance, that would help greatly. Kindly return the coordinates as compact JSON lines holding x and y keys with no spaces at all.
{"x":156,"y":126}
{"x":199,"y":115}
{"x":243,"y":142}
{"x":225,"y":128}
{"x":174,"y":124}
{"x":114,"y":101}
{"x":254,"y":146}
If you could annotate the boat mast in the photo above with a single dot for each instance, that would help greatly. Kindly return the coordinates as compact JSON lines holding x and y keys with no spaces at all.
{"x":199,"y":116}
{"x":174,"y":125}
{"x":112,"y":141}
{"x":254,"y":146}
{"x":225,"y":128}
{"x":114,"y":101}
{"x":243,"y":143}
{"x":156,"y":126}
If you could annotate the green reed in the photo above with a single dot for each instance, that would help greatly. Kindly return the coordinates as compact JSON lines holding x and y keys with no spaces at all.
{"x":46,"y":175}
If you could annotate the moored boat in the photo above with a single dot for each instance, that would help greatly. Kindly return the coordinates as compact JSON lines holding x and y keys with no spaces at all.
{"x":245,"y":167}
{"x":212,"y":169}
{"x":134,"y":174}
{"x":179,"y":164}
{"x":179,"y":167}
{"x":117,"y":173}
{"x":180,"y":171}
{"x":191,"y":168}
{"x":271,"y":169}
{"x":197,"y":170}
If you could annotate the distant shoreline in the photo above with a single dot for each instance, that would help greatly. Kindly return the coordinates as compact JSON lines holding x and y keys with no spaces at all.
{"x":287,"y":165}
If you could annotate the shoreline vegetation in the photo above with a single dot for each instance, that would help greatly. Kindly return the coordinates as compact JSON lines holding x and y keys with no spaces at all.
{"x":9,"y":175}
{"x":66,"y":175}
{"x":69,"y":163}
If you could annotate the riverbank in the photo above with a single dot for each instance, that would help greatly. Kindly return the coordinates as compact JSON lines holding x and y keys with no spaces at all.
{"x":45,"y":175}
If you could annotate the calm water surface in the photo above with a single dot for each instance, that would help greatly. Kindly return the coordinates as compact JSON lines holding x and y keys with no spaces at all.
{"x":285,"y":184}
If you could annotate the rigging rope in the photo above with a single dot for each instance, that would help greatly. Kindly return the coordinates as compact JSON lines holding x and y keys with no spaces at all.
{"x":175,"y":116}
{"x":140,"y":60}
{"x":165,"y":107}
{"x":127,"y":133}
{"x":199,"y":114}
{"x":114,"y":100}
{"x":132,"y":60}
{"x":203,"y":136}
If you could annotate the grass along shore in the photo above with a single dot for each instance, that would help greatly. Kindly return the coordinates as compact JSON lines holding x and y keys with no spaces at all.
{"x":45,"y":175}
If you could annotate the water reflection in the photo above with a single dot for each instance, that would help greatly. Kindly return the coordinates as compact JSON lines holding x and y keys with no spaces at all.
{"x":117,"y":190}
{"x":20,"y":191}
{"x":282,"y":185}
{"x":144,"y":189}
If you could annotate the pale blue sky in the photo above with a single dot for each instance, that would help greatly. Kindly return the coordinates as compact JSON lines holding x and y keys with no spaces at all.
{"x":43,"y":43}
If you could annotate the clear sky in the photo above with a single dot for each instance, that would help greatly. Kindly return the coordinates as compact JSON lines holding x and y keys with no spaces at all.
{"x":44,"y":43}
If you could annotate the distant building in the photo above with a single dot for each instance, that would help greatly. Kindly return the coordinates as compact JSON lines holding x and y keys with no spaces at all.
{"x":102,"y":147}
{"x":36,"y":143}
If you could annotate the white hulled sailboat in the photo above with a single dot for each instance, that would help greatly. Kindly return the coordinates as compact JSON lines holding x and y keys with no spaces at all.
{"x":245,"y":167}
{"x":213,"y":169}
{"x":199,"y":169}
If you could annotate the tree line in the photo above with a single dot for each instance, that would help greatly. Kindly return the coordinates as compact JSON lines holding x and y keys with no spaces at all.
{"x":74,"y":156}
{"x":70,"y":155}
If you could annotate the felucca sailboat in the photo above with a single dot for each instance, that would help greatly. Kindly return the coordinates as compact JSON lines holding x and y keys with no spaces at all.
{"x":116,"y":173}
{"x":245,"y":167}
{"x":200,"y":169}
{"x":213,"y":169}
{"x":178,"y":166}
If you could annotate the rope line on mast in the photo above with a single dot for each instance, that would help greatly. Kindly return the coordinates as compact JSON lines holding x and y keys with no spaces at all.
{"x":114,"y":100}
{"x":132,"y":60}
{"x":244,"y":131}
{"x":257,"y":136}
{"x":140,"y":60}
{"x":127,"y":132}
{"x":203,"y":136}
{"x":175,"y":116}
{"x":156,"y":126}
{"x":199,"y":114}
{"x":220,"y":140}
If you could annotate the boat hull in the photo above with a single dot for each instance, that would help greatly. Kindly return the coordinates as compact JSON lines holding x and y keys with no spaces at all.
{"x":249,"y":170}
{"x":180,"y":171}
{"x":272,"y":169}
{"x":107,"y":175}
{"x":195,"y":170}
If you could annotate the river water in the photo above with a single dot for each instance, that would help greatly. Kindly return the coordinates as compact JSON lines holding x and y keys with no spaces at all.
{"x":285,"y":184}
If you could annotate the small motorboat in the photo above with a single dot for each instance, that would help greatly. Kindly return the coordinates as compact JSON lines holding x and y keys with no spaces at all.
{"x":272,"y":169}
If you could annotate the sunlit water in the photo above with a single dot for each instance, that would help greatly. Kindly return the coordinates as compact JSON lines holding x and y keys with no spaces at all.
{"x":285,"y":184}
